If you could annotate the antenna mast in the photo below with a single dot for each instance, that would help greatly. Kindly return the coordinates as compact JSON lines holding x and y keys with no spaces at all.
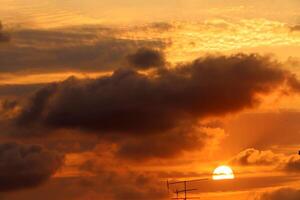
{"x":185,"y":188}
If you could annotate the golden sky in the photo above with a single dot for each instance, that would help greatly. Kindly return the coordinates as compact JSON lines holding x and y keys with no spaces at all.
{"x":109,"y":99}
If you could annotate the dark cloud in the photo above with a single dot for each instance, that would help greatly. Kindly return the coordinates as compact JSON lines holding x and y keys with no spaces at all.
{"x":8,"y":108}
{"x":126,"y":184}
{"x":252,"y":156}
{"x":109,"y":186}
{"x":3,"y":36}
{"x":39,"y":101}
{"x":25,"y":166}
{"x":166,"y":145}
{"x":281,"y":194}
{"x":154,"y":109}
{"x":128,"y":101}
{"x":79,"y":49}
{"x":19,"y":90}
{"x":9,"y":104}
{"x":295,"y":28}
{"x":293,"y":164}
{"x":146,"y":58}
{"x":161,"y":26}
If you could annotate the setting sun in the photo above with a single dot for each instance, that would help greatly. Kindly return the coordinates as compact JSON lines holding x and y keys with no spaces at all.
{"x":222,"y":173}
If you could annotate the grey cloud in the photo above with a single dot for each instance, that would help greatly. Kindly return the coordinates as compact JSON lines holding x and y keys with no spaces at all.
{"x":108,"y":185}
{"x":293,"y":164}
{"x":19,"y":90}
{"x":281,"y":194}
{"x":78,"y":49}
{"x":4,"y":37}
{"x":131,"y":102}
{"x":26,"y":166}
{"x":146,"y":58}
{"x":154,"y":109}
{"x":166,"y":145}
{"x":253,"y":156}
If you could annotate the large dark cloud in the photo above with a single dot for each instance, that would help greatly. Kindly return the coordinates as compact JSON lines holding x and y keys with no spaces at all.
{"x":281,"y":194}
{"x":25,"y":166}
{"x":128,"y":101}
{"x":146,"y":58}
{"x":154,"y":109}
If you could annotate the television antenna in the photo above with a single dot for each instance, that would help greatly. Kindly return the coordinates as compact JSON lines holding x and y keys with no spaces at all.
{"x":185,"y":189}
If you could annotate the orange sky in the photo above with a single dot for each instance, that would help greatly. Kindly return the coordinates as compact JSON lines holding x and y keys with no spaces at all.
{"x":109,"y":99}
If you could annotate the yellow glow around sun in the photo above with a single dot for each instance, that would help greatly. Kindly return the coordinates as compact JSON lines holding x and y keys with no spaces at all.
{"x":222,"y":173}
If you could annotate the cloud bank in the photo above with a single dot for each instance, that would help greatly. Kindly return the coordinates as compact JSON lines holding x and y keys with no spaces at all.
{"x":26,"y":166}
{"x":285,"y":193}
{"x":130,"y":102}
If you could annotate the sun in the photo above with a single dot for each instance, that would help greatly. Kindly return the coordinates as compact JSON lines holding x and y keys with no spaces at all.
{"x":223,"y":172}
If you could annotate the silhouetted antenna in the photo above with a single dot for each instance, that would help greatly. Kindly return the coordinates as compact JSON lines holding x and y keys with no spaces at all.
{"x":185,"y":190}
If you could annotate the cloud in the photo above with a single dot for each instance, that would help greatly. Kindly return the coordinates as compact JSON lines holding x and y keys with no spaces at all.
{"x":167,"y":145}
{"x":19,"y":90}
{"x":25,"y":166}
{"x":161,"y":26}
{"x":295,"y":28}
{"x":8,"y":108}
{"x":252,"y":156}
{"x":84,"y":49}
{"x":293,"y":164}
{"x":3,"y":36}
{"x":146,"y":58}
{"x":284,"y":193}
{"x":110,"y":186}
{"x":130,"y":102}
{"x":156,"y":108}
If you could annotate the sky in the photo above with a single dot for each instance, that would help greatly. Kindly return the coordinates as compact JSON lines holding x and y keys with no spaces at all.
{"x":110,"y":99}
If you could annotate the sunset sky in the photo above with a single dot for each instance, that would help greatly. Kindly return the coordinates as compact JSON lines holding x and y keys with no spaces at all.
{"x":109,"y":99}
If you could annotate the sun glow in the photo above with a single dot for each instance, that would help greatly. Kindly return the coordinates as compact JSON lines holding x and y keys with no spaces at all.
{"x":222,"y":173}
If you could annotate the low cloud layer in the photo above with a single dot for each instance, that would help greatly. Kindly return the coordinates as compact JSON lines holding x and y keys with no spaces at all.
{"x":281,"y":194}
{"x":109,"y":186}
{"x":26,"y":166}
{"x":254,"y":157}
{"x":83,"y":49}
{"x":167,"y":145}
